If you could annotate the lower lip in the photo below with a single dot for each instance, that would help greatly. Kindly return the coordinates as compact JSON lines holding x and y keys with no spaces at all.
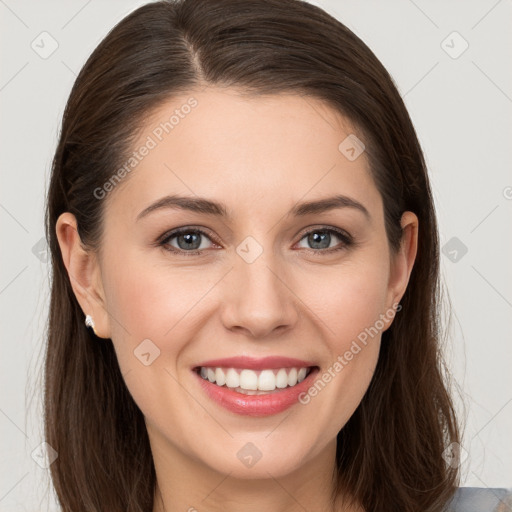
{"x":256,"y":405}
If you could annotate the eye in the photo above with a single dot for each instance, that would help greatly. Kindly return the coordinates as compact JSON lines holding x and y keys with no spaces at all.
{"x":189,"y":241}
{"x":321,"y":239}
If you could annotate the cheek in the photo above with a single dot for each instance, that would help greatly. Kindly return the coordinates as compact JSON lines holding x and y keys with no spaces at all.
{"x":154,"y":301}
{"x":136,"y":300}
{"x":138,"y":293}
{"x":347,"y":299}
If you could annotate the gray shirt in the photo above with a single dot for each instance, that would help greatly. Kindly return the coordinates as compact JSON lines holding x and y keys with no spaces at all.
{"x":481,"y":499}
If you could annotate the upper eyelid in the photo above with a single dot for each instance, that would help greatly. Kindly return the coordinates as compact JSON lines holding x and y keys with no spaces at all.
{"x":338,"y":231}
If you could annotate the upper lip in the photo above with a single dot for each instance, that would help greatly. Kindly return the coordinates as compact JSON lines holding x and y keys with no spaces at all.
{"x":252,"y":363}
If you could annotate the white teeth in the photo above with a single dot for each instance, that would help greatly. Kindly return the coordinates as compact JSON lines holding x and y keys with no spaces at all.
{"x":281,"y":379}
{"x":292,"y":377}
{"x":248,"y":380}
{"x":252,"y":382}
{"x":232,"y":378}
{"x":266,"y":381}
{"x":220,"y":377}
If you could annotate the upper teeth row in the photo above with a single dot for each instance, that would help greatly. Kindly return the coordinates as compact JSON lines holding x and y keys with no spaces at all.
{"x":264,"y":380}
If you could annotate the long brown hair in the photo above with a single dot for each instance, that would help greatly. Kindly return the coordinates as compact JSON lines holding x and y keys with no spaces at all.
{"x":390,"y":453}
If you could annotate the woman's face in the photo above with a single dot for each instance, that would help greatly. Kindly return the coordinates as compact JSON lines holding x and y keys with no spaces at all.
{"x":270,"y":278}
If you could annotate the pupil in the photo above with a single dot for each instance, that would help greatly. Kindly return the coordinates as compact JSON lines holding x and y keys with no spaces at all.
{"x":189,"y":237}
{"x":316,"y":238}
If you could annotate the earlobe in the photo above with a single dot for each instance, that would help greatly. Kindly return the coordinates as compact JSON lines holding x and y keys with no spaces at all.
{"x":83,"y":272}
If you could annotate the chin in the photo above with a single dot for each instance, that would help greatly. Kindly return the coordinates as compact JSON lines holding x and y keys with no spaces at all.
{"x":257,"y":459}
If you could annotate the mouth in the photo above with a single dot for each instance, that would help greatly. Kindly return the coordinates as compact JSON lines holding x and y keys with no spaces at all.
{"x":250,"y":392}
{"x":254,"y":382}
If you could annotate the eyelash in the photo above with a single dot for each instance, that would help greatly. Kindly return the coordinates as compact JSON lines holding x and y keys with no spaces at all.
{"x":163,"y":242}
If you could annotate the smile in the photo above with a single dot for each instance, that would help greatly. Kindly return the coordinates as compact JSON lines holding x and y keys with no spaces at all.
{"x":254,"y":382}
{"x":251,"y":392}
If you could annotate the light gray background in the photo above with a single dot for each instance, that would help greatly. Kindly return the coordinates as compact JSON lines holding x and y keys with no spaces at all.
{"x":461,"y":108}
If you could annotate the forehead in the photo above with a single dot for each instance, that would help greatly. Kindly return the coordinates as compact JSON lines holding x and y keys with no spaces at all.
{"x":241,"y":149}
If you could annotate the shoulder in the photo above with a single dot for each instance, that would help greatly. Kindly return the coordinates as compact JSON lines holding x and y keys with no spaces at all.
{"x":480,"y":499}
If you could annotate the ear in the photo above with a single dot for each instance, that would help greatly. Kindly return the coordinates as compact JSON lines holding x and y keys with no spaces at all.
{"x":84,"y":273}
{"x":403,"y":261}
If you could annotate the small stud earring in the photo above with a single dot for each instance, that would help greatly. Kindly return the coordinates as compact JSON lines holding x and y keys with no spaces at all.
{"x":89,"y":322}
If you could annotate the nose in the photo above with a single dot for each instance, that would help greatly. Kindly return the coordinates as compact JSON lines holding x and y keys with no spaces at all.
{"x":258,"y":300}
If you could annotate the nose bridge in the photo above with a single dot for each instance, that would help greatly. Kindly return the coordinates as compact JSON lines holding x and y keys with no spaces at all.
{"x":259,"y":300}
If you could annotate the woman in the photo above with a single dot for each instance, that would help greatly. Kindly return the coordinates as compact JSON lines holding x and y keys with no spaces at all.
{"x":240,"y":211}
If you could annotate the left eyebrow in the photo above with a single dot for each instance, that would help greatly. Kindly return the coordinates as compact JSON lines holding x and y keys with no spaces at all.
{"x":208,"y":207}
{"x":329,"y":203}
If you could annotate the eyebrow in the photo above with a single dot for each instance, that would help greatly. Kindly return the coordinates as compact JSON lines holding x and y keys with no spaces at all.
{"x":208,"y":207}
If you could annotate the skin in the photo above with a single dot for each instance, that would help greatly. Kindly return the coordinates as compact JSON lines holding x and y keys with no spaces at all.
{"x":259,"y":156}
